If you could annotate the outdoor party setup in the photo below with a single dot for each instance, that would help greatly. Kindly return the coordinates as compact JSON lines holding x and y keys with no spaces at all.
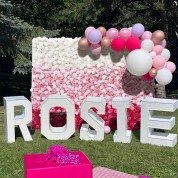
{"x":100,"y":82}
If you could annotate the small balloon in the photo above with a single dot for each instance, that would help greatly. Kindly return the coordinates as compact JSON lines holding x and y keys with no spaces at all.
{"x":87,"y":31}
{"x":158,"y":36}
{"x":118,"y":44}
{"x":171,"y":66}
{"x":133,"y":43}
{"x":137,"y":30}
{"x":102,"y":30}
{"x":83,"y":44}
{"x":158,"y":49}
{"x":107,"y":129}
{"x":153,"y":72}
{"x":159,"y":62}
{"x":166,"y":54}
{"x":112,"y":33}
{"x":147,"y":45}
{"x":163,"y":43}
{"x":153,"y":54}
{"x":164,"y":76}
{"x":125,"y":33}
{"x":105,"y":42}
{"x":95,"y":49}
{"x":146,"y":35}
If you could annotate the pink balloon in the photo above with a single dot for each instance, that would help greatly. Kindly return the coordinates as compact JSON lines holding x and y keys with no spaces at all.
{"x":88,"y":30}
{"x":125,"y":33}
{"x":107,"y":129}
{"x":163,"y":43}
{"x":95,"y":49}
{"x":157,"y":49}
{"x":159,"y":62}
{"x":171,"y":66}
{"x":146,"y":35}
{"x":112,"y":33}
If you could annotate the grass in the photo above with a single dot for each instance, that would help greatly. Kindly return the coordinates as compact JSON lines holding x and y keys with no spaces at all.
{"x":134,"y":158}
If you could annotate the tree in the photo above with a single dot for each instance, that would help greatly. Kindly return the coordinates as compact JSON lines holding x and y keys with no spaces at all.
{"x":16,"y":37}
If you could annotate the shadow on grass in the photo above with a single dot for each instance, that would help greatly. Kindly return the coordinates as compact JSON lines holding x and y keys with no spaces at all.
{"x":136,"y":133}
{"x":18,"y":132}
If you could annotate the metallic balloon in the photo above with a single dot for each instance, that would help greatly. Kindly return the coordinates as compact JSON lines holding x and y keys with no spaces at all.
{"x":105,"y":42}
{"x":158,"y":36}
{"x":83,"y":44}
{"x":102,"y":30}
{"x":153,"y":72}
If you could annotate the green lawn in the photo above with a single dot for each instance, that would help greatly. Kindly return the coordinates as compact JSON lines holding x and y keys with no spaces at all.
{"x":134,"y":158}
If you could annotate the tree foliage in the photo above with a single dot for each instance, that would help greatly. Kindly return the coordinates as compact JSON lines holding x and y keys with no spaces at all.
{"x":16,"y":37}
{"x":71,"y":17}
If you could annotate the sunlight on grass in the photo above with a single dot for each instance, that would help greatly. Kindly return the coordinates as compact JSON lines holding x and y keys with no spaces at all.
{"x":134,"y":158}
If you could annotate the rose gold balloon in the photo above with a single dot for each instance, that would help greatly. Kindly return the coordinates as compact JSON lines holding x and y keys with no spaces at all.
{"x":102,"y":30}
{"x":155,"y":41}
{"x":153,"y":72}
{"x":158,"y":35}
{"x":105,"y":42}
{"x":83,"y":44}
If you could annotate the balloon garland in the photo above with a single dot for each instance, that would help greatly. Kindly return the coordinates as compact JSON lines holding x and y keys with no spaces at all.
{"x":148,"y":56}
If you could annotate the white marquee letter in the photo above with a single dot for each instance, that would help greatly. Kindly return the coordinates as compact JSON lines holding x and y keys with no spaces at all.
{"x":122,"y":134}
{"x":92,"y":119}
{"x":11,"y":119}
{"x":149,"y":121}
{"x":57,"y":133}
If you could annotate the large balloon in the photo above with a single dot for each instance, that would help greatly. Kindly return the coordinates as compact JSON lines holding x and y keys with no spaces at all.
{"x":139,"y":62}
{"x":118,"y":44}
{"x":133,"y":43}
{"x":166,"y":54}
{"x":94,"y":36}
{"x":164,"y":76}
{"x":137,"y":30}
{"x":147,"y":45}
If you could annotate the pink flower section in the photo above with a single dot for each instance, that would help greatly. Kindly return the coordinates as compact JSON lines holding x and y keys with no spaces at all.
{"x":105,"y":81}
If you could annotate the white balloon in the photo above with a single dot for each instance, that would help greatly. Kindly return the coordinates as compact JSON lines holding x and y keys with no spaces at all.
{"x":153,"y":54}
{"x":130,"y":28}
{"x":166,"y":54}
{"x":147,"y":45}
{"x":139,"y":62}
{"x":164,"y":76}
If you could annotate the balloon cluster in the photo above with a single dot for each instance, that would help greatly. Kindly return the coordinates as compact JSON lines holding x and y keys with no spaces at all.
{"x":148,"y":56}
